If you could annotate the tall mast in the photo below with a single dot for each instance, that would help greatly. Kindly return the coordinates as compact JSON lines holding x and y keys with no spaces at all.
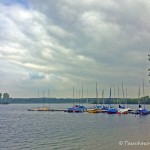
{"x":82,"y":91}
{"x":114,"y":92}
{"x":43,"y":98}
{"x":96,"y":94}
{"x":103,"y":96}
{"x":143,"y":94}
{"x":126,"y":97}
{"x":118,"y":96}
{"x":82,"y":94}
{"x":122,"y":91}
{"x":110,"y":98}
{"x":139,"y":97}
{"x":38,"y":98}
{"x":49,"y":97}
{"x":87,"y":96}
{"x":73,"y":96}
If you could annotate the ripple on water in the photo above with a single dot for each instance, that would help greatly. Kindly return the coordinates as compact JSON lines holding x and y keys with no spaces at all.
{"x":23,"y":130}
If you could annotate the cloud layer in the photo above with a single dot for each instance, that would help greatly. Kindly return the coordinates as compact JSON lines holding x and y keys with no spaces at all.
{"x":59,"y":44}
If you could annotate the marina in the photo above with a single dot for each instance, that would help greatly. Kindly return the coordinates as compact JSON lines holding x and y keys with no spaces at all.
{"x":74,"y":75}
{"x":22,"y":129}
{"x":94,"y":109}
{"x":103,"y":108}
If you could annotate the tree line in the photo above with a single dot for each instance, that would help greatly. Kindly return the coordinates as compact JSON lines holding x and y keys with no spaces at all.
{"x":4,"y":96}
{"x":142,"y":100}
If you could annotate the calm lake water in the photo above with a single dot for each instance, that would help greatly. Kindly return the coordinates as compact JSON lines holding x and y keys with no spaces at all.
{"x":27,"y":130}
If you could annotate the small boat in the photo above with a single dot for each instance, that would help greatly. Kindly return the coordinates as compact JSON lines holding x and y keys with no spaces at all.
{"x":144,"y":112}
{"x":111,"y":110}
{"x":140,"y":110}
{"x":98,"y":107}
{"x":123,"y":110}
{"x":76,"y":109}
{"x":41,"y":108}
{"x":96,"y":110}
{"x":104,"y":109}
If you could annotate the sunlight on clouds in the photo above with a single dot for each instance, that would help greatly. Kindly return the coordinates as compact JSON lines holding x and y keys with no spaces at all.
{"x":40,"y":68}
{"x":19,"y":14}
{"x":84,"y":59}
{"x":65,"y":42}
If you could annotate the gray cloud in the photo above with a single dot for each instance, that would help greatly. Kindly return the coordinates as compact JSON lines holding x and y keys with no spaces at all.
{"x":63,"y":42}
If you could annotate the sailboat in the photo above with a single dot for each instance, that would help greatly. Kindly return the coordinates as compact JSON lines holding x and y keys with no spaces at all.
{"x":144,"y":111}
{"x":76,"y":108}
{"x":43,"y":108}
{"x":140,"y":110}
{"x":40,"y":108}
{"x":122,"y":109}
{"x":104,"y":108}
{"x":95,"y":109}
{"x":111,"y":110}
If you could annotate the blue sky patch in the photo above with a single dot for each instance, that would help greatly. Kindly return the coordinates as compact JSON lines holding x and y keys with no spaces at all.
{"x":24,"y":3}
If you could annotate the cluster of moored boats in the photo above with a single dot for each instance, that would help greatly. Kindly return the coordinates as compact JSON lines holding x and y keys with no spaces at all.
{"x":102,"y":108}
{"x":108,"y":109}
{"x":98,"y":109}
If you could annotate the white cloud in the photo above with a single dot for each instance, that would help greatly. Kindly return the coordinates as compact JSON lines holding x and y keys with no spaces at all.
{"x":69,"y":42}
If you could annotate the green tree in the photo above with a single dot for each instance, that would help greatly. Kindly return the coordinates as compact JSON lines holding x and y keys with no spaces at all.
{"x":0,"y":95}
{"x":5,"y":96}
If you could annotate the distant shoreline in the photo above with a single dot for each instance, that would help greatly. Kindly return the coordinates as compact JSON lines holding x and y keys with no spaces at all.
{"x":145,"y":100}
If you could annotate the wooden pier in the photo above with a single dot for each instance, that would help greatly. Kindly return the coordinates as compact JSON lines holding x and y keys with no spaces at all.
{"x":45,"y":109}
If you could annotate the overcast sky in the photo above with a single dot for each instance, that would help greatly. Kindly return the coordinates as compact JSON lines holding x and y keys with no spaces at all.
{"x":61,"y":44}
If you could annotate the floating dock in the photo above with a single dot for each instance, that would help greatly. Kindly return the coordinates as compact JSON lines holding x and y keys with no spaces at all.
{"x":45,"y":109}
